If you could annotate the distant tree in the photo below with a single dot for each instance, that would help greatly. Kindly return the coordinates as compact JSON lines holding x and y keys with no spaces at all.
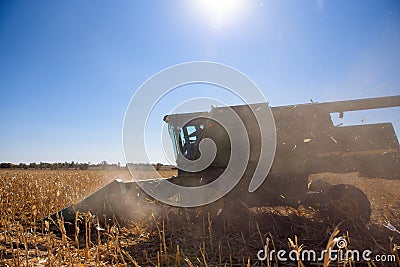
{"x":32,"y":165}
{"x":6,"y":165}
{"x":104,"y":164}
{"x":84,"y":166}
{"x":22,"y":166}
{"x":158,"y":166}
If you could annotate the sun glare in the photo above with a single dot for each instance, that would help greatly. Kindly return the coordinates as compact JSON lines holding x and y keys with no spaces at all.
{"x":220,"y":13}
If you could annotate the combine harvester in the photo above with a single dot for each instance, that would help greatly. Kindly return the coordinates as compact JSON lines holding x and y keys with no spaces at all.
{"x":307,"y":142}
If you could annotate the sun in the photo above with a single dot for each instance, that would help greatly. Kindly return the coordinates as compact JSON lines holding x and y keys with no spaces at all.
{"x":220,"y":13}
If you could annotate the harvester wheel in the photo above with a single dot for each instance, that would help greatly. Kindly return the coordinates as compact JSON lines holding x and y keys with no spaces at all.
{"x":348,"y":202}
{"x":320,"y":185}
{"x":317,"y":195}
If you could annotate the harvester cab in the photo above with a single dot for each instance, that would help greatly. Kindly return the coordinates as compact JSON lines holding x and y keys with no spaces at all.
{"x":307,"y":142}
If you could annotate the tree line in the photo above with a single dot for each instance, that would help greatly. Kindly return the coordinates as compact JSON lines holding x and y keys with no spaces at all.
{"x":60,"y":165}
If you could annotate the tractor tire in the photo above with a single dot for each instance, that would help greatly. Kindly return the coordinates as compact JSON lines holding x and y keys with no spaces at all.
{"x":347,"y":202}
{"x":317,"y":195}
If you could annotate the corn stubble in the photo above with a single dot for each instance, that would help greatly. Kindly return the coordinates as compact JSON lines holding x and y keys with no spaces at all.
{"x":173,"y":237}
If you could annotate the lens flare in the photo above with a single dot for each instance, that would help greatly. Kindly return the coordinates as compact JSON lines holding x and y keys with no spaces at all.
{"x":219,"y":13}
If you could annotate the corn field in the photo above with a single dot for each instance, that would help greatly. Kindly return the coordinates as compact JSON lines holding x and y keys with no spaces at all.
{"x":172,"y":236}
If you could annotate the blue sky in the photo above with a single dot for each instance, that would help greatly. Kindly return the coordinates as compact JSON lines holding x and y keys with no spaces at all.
{"x":69,"y":68}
